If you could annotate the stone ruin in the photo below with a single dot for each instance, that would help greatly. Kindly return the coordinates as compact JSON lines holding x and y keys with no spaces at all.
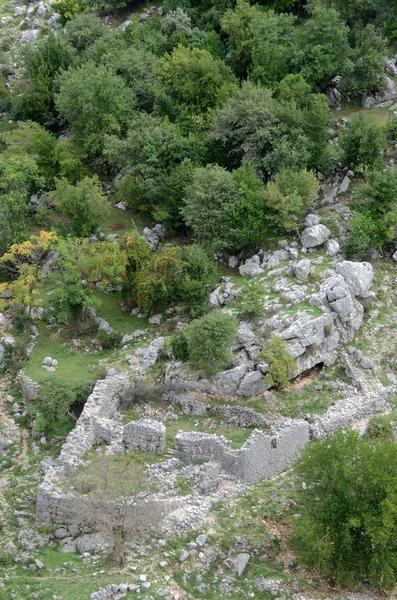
{"x":265,"y":453}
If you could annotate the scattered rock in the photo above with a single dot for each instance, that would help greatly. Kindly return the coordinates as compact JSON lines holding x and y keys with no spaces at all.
{"x":315,"y":236}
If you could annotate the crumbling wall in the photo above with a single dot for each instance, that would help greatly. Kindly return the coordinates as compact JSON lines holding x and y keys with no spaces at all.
{"x":262,"y":456}
{"x":146,"y":435}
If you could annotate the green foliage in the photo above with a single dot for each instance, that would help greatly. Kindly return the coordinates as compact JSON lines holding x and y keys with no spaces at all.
{"x":225,"y":210}
{"x":137,"y":255}
{"x":236,"y":24}
{"x":281,"y":363}
{"x":374,"y":225}
{"x":198,"y":273}
{"x":209,"y":341}
{"x":380,"y":428}
{"x":348,"y":524}
{"x":193,"y":81}
{"x":70,"y":281}
{"x":135,"y":66}
{"x":68,"y":9}
{"x":57,"y":396}
{"x":255,"y":127}
{"x":109,"y":341}
{"x":52,"y":157}
{"x":43,"y":63}
{"x":273,"y":47}
{"x":180,"y":346}
{"x":362,"y":143}
{"x":82,"y":30}
{"x":174,"y":274}
{"x":250,"y":299}
{"x":363,"y":70}
{"x":322,"y":47}
{"x":391,"y":128}
{"x":289,"y":196}
{"x":14,"y":212}
{"x":95,"y":102}
{"x":159,"y":161}
{"x":81,"y":207}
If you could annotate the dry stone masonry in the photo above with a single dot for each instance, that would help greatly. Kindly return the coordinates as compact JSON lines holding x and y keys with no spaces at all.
{"x":146,"y":435}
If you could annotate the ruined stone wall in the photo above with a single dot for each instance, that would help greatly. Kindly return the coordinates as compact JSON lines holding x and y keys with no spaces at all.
{"x":262,"y":456}
{"x":146,"y":435}
{"x":29,"y":389}
{"x":265,"y":455}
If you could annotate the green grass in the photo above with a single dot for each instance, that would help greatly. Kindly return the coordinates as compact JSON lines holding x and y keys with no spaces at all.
{"x":237,"y":435}
{"x":69,"y":585}
{"x":378,"y":115}
{"x":124,"y":221}
{"x":76,"y":367}
{"x":110,"y":310}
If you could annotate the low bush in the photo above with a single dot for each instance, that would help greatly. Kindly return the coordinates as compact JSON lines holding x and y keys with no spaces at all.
{"x":180,"y":346}
{"x":209,"y":341}
{"x":281,"y":363}
{"x":249,"y":301}
{"x":109,"y":341}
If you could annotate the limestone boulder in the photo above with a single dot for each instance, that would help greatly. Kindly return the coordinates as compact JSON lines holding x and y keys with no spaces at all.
{"x":357,"y":275}
{"x":315,"y":236}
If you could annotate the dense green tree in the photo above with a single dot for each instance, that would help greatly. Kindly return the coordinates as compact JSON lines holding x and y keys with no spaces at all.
{"x":53,"y":157}
{"x":193,"y":82}
{"x":172,"y":275}
{"x":14,"y":212}
{"x":348,"y":522}
{"x":254,"y":127}
{"x":386,"y":16}
{"x":363,"y":69}
{"x":43,"y":63}
{"x":355,"y":12}
{"x":94,"y":102}
{"x":83,"y":30}
{"x":362,"y":144}
{"x":236,"y":24}
{"x":135,"y":66}
{"x":322,"y":47}
{"x":80,"y":207}
{"x":225,"y":210}
{"x":158,"y":160}
{"x":374,"y":224}
{"x":56,"y":397}
{"x":273,"y":47}
{"x":209,"y":341}
{"x":289,"y":197}
{"x":71,"y":292}
{"x":281,"y":362}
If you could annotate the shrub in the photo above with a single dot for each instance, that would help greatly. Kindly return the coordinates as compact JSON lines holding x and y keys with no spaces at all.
{"x":180,"y":346}
{"x":209,"y":341}
{"x":362,"y":236}
{"x":249,"y":300}
{"x":81,"y":207}
{"x":281,"y":363}
{"x":57,"y":395}
{"x":348,"y":523}
{"x":289,"y":196}
{"x":380,"y":427}
{"x":225,"y":210}
{"x":109,"y":340}
{"x":362,"y":143}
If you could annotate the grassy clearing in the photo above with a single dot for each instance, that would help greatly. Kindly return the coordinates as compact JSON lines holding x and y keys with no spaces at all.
{"x":124,"y":221}
{"x":110,"y":309}
{"x":378,"y":115}
{"x":77,"y":367}
{"x":74,"y":582}
{"x":237,"y":435}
